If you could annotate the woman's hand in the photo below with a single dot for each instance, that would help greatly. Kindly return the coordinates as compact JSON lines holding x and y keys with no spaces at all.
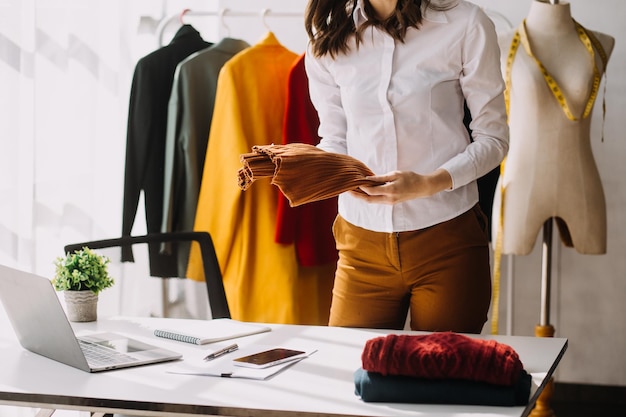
{"x":402,"y":186}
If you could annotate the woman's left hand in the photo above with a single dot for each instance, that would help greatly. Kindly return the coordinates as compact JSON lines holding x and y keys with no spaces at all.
{"x":402,"y":186}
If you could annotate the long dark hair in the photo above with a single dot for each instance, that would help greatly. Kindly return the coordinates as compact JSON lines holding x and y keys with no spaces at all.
{"x":329,"y":23}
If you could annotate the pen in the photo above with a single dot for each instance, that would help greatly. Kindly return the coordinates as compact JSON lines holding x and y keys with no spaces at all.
{"x":221,"y":352}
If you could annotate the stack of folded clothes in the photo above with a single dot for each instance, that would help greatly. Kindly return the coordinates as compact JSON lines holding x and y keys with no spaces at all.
{"x":441,"y":368}
{"x":303,"y":172}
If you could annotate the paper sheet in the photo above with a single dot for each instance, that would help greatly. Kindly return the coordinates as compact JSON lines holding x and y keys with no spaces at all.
{"x":223,"y":366}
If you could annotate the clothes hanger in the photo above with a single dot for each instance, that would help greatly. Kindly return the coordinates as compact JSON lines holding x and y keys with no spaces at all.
{"x":182,"y":15}
{"x":264,"y":13}
{"x":166,"y":21}
{"x":221,"y":14}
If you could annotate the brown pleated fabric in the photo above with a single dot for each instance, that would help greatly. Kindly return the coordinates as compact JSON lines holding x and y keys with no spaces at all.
{"x":304,"y":173}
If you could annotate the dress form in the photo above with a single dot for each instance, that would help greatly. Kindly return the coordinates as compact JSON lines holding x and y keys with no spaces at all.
{"x":550,"y":171}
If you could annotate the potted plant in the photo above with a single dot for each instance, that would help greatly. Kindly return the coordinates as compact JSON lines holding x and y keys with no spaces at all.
{"x":82,"y":275}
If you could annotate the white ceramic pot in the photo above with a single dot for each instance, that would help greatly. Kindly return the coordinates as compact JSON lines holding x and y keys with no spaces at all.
{"x":81,"y":305}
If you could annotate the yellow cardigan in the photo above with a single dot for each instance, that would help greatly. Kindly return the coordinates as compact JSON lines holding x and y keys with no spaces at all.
{"x":262,"y":279}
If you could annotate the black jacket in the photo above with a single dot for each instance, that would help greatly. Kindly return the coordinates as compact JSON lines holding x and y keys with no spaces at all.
{"x":145,"y":145}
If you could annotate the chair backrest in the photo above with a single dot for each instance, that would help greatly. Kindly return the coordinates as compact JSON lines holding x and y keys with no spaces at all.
{"x":212,"y":273}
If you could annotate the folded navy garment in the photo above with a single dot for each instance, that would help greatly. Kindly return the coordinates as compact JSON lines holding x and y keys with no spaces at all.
{"x":374,"y":387}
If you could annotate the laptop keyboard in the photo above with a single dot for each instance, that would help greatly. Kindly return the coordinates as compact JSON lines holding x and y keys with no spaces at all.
{"x":98,"y":355}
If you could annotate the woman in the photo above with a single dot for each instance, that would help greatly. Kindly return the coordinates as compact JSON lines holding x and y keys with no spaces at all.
{"x":389,"y":79}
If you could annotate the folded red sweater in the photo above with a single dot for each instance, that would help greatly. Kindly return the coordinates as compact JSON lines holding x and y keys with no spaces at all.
{"x":442,"y":355}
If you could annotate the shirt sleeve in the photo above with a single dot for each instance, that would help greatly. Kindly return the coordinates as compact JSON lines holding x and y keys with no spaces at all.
{"x":326,"y":98}
{"x":483,"y":87}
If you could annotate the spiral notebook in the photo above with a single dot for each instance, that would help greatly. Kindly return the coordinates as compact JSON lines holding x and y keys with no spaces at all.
{"x":202,"y":332}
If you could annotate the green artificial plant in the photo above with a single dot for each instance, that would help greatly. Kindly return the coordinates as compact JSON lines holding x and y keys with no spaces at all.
{"x":82,"y":270}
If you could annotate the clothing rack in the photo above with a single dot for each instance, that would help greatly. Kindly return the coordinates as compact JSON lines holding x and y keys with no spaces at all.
{"x":222,"y":13}
{"x":263,"y":13}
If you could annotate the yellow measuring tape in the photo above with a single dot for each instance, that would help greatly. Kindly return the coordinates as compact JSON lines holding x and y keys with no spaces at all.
{"x":520,"y":37}
{"x":495,"y":307}
{"x":587,"y":39}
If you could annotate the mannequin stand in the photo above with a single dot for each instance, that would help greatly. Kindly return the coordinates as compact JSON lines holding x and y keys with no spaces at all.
{"x":544,"y":329}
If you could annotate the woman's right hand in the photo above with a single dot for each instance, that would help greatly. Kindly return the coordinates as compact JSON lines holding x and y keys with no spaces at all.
{"x":399,"y":186}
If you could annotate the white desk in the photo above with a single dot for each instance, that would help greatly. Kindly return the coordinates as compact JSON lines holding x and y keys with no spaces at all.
{"x":321,"y":385}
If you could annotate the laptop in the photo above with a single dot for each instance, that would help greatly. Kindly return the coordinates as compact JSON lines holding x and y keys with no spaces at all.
{"x":40,"y":323}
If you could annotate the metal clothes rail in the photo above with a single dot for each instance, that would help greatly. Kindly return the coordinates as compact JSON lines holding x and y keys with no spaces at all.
{"x":222,"y":14}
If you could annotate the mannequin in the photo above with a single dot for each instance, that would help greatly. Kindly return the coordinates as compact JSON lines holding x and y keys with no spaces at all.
{"x":550,"y":170}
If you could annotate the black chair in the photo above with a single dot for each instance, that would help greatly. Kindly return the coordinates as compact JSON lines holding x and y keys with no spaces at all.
{"x":212,"y":273}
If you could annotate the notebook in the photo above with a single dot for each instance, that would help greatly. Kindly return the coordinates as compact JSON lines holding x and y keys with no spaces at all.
{"x":200,"y":332}
{"x":34,"y":310}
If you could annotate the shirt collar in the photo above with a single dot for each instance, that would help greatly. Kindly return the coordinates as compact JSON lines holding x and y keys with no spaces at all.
{"x":431,"y":15}
{"x":269,"y":40}
{"x":359,"y":15}
{"x":186,"y":31}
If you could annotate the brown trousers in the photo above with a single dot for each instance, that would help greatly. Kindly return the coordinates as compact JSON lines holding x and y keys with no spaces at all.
{"x":442,"y":273}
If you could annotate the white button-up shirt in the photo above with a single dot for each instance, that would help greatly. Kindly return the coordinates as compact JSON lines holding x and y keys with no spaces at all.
{"x":399,"y":106}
